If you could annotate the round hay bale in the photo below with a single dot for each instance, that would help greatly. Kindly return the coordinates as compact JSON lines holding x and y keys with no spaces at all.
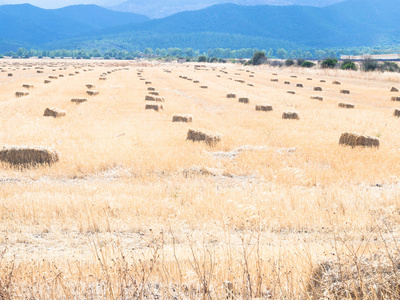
{"x":244,"y":100}
{"x":182,"y":118}
{"x":395,"y":98}
{"x":347,"y":92}
{"x":154,"y":93}
{"x":196,"y":81}
{"x":47,"y":81}
{"x":354,"y":139}
{"x":336,"y":82}
{"x":151,"y":89}
{"x":293,"y":76}
{"x":346,"y":105}
{"x":90,"y":86}
{"x":318,"y":89}
{"x":28,"y":86}
{"x":291,"y":115}
{"x":275,"y":80}
{"x":10,"y":75}
{"x":149,"y":98}
{"x":287,"y":82}
{"x":396,"y":113}
{"x":23,"y":155}
{"x":309,"y":78}
{"x":204,"y":87}
{"x":299,"y":85}
{"x":231,"y":96}
{"x":322,"y":80}
{"x":264,"y":107}
{"x":54,"y":112}
{"x":250,"y":84}
{"x":291,"y":92}
{"x":103,"y":78}
{"x":148,"y":82}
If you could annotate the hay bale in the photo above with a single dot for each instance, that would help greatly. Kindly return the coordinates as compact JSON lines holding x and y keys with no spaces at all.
{"x":252,"y":76}
{"x":309,"y":78}
{"x":47,"y":81}
{"x":23,"y":155}
{"x":92,"y":93}
{"x":61,"y":75}
{"x":249,"y":84}
{"x":317,"y":98}
{"x":156,"y":107}
{"x":90,"y":86}
{"x":231,"y":96}
{"x":274,"y":74}
{"x":208,"y":138}
{"x":159,"y":99}
{"x":39,"y":72}
{"x":299,"y":85}
{"x":287,"y":82}
{"x":21,"y":94}
{"x":204,"y":87}
{"x":148,"y":82}
{"x":71,"y":74}
{"x":396,"y":112}
{"x":322,"y":80}
{"x":151,"y":89}
{"x":10,"y":75}
{"x":53,"y":77}
{"x":182,"y":118}
{"x":354,"y":139}
{"x":336,"y":82}
{"x":318,"y":89}
{"x":149,"y":98}
{"x":142,"y":79}
{"x":291,"y":92}
{"x":394,"y":90}
{"x":275,"y":80}
{"x":293,"y":76}
{"x":240,"y":81}
{"x":78,"y":100}
{"x":395,"y":98}
{"x":244,"y":100}
{"x":346,"y":105}
{"x":28,"y":86}
{"x":292,"y":115}
{"x":196,"y":81}
{"x":54,"y":112}
{"x":103,"y":78}
{"x":347,"y":92}
{"x":154,"y":93}
{"x":264,"y":107}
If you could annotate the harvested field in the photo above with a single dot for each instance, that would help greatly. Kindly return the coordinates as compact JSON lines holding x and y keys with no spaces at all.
{"x":276,"y":209}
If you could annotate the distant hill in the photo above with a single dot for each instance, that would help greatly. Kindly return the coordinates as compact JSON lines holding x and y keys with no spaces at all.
{"x":159,"y":9}
{"x":346,"y":24}
{"x":26,"y":24}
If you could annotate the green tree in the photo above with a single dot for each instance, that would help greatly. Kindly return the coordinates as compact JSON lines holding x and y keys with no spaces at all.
{"x":281,"y":53}
{"x":348,"y":65}
{"x":289,"y":62}
{"x":307,"y":64}
{"x":202,"y":58}
{"x":329,"y":63}
{"x":258,"y":58}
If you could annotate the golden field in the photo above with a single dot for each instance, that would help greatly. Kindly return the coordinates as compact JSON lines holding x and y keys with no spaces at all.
{"x":134,"y":210}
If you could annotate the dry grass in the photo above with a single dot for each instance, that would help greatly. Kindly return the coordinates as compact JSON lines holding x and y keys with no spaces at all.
{"x":119,"y":218}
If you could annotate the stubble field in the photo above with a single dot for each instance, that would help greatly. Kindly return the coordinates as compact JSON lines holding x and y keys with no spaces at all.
{"x":277,"y":209}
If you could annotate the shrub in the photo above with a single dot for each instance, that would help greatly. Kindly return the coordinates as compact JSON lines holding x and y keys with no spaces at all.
{"x":276,"y":63}
{"x":213,"y":59}
{"x":300,"y":61}
{"x":369,"y":64}
{"x":307,"y":64}
{"x":389,"y":66}
{"x":347,"y":64}
{"x":329,"y":63}
{"x":289,"y":62}
{"x":202,"y":58}
{"x":1,"y":56}
{"x":258,"y":58}
{"x":221,"y":60}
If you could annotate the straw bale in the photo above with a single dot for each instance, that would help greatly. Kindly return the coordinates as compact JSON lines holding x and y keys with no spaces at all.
{"x":24,"y":155}
{"x":354,"y":139}
{"x":54,"y":112}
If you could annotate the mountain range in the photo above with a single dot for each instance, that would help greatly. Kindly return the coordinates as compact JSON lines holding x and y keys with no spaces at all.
{"x":349,"y":23}
{"x":156,"y":9}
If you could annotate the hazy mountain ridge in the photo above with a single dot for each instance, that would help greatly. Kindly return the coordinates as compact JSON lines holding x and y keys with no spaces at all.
{"x":28,"y":24}
{"x":160,"y":9}
{"x":346,"y":24}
